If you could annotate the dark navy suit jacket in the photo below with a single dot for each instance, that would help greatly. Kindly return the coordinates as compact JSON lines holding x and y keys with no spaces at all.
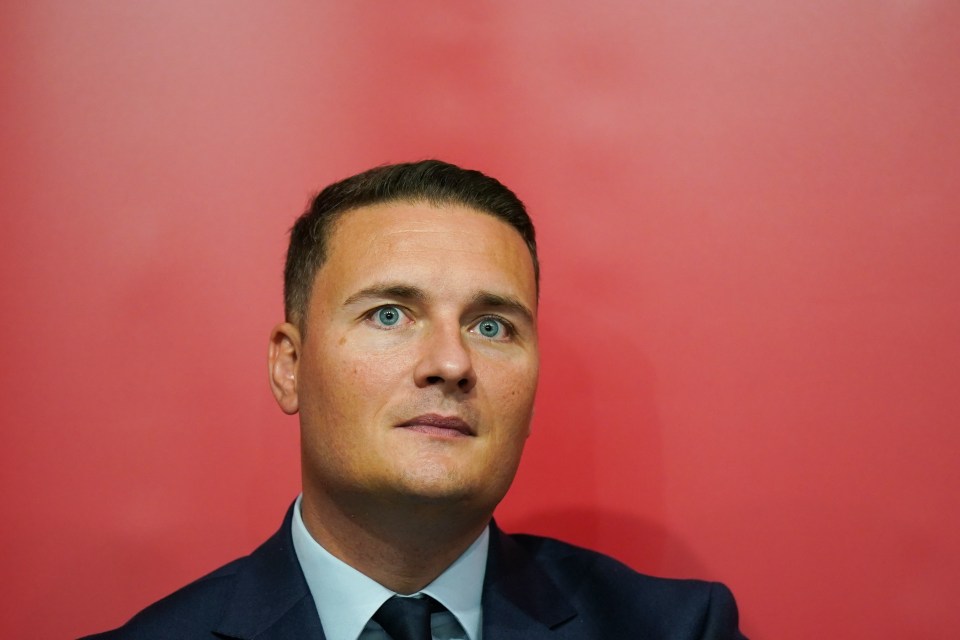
{"x":535,"y":589}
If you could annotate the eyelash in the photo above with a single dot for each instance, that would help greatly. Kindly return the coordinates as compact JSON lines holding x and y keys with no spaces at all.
{"x":508,"y":328}
{"x":371,"y":315}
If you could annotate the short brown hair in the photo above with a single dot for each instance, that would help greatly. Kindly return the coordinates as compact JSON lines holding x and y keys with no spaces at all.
{"x":429,"y":181}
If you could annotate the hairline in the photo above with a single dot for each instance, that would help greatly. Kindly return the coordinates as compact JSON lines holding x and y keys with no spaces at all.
{"x":334,"y":217}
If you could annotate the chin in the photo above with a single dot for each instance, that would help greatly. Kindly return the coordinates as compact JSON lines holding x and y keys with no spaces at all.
{"x":438,"y":483}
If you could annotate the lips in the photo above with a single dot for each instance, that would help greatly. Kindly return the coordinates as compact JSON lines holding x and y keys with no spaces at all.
{"x":435,"y":424}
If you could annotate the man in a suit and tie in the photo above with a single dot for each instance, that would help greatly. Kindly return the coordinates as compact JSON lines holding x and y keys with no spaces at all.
{"x":410,"y":353}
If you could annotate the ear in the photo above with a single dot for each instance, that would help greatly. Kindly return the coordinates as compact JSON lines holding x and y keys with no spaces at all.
{"x":283,"y":360}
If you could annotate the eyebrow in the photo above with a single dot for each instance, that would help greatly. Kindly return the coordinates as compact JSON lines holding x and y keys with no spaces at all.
{"x":496,"y":301}
{"x":396,"y":291}
{"x":388,"y":290}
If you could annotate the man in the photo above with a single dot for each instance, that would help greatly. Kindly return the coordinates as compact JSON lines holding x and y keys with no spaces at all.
{"x":410,"y":353}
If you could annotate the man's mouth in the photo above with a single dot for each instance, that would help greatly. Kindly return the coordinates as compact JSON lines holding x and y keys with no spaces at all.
{"x":437,"y":425}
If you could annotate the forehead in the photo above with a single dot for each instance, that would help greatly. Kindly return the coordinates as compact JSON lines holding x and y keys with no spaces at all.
{"x":436,"y":245}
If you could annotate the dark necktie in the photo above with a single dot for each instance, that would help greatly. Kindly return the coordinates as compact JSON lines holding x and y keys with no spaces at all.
{"x":406,"y":618}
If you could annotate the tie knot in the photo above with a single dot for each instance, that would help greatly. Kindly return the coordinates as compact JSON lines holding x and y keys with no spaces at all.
{"x":406,"y":618}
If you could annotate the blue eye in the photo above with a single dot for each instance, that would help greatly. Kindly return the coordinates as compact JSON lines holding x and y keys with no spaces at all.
{"x":491,"y":328}
{"x":388,"y":316}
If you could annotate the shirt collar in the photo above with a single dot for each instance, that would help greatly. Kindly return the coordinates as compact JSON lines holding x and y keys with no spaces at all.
{"x":346,"y":599}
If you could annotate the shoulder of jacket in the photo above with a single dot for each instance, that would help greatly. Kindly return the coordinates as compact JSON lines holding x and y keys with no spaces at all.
{"x":193,"y":606}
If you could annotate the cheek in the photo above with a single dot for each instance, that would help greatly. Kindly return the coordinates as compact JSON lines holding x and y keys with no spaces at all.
{"x":512,"y":393}
{"x":373,"y":370}
{"x":358,"y":386}
{"x":349,"y":362}
{"x":523,"y":380}
{"x":335,"y":383}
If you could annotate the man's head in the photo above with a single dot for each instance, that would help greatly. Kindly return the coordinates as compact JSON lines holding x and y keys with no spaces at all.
{"x":429,"y":181}
{"x":411,"y":352}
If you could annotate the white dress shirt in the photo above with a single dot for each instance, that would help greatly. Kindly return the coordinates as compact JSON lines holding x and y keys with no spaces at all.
{"x":346,"y":599}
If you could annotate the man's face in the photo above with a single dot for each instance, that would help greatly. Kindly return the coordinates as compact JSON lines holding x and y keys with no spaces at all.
{"x":418,"y":368}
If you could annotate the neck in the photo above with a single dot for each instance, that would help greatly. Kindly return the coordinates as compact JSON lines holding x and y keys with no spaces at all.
{"x":403,"y":543}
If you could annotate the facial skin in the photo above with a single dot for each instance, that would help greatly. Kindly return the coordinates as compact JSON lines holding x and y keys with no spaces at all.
{"x":417,"y":369}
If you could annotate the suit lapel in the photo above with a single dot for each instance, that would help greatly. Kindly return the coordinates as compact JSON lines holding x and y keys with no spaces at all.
{"x":271,"y":600}
{"x":519,"y":600}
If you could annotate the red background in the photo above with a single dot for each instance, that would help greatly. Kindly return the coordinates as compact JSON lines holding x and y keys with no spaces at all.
{"x":751,"y":294}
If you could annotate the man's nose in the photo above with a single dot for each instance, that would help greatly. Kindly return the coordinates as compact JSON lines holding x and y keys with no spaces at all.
{"x":445,"y":361}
